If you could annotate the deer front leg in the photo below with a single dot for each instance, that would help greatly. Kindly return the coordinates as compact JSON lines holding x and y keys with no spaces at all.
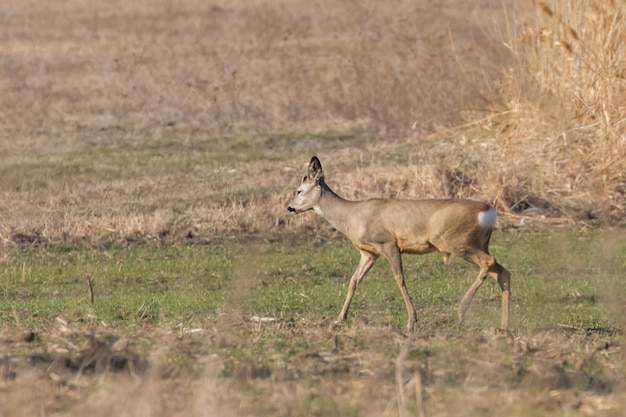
{"x":365,"y":264}
{"x":392,"y":253}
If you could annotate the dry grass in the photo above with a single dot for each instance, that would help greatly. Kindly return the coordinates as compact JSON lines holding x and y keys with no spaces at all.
{"x":558,"y":141}
{"x":263,"y":65}
{"x":363,"y":370}
{"x":134,"y":122}
{"x":87,"y":88}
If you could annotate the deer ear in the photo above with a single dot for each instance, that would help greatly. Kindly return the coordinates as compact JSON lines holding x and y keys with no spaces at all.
{"x":315,"y":169}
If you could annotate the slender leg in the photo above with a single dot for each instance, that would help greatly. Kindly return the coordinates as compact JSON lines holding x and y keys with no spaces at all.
{"x":467,"y":298}
{"x":365,"y":264}
{"x":446,"y":257}
{"x":503,"y":277}
{"x":488,"y":266}
{"x":392,"y":253}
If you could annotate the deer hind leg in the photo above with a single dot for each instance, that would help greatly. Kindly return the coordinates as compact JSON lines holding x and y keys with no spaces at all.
{"x":488,"y":266}
{"x":469,"y":294}
{"x":365,"y":264}
{"x":392,"y":253}
{"x":446,"y":257}
{"x":500,"y":274}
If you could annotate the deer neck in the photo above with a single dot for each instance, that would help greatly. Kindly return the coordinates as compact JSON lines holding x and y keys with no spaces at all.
{"x":333,"y":208}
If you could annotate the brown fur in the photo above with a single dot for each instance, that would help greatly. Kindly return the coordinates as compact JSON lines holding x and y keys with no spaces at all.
{"x":391,"y":227}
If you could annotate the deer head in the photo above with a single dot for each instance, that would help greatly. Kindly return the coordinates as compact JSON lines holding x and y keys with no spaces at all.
{"x":310,"y":189}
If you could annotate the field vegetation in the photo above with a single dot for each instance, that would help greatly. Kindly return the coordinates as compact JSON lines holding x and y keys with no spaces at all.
{"x":148,"y":151}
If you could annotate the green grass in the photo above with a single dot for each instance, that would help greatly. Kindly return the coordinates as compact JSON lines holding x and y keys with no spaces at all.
{"x":558,"y":280}
{"x":135,"y":284}
{"x":566,"y":323}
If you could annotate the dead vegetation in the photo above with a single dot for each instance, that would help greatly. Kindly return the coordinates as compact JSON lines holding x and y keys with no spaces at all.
{"x":120,"y":124}
{"x":559,"y":132}
{"x":362,"y":370}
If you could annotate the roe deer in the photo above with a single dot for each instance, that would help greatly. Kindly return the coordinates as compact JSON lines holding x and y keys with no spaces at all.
{"x":392,"y":227}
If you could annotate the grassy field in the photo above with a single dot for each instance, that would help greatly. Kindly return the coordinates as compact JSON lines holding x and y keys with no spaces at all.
{"x":148,"y":150}
{"x":185,"y":323}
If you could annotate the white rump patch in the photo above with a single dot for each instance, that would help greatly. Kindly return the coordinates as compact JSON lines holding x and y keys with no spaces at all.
{"x":487,"y":218}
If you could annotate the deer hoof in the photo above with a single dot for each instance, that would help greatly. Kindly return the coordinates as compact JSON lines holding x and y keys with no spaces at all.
{"x":503,"y":332}
{"x":337,"y":324}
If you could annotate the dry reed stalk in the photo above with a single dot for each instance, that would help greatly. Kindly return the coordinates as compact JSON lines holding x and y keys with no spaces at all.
{"x":402,"y":409}
{"x":419,"y":397}
{"x":90,"y":288}
{"x":561,"y":127}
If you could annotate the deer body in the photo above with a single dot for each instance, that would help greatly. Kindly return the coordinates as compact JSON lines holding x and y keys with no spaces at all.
{"x":391,"y":227}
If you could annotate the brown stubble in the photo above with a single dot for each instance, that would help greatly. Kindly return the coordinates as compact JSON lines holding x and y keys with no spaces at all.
{"x":82,"y":79}
{"x":542,"y":138}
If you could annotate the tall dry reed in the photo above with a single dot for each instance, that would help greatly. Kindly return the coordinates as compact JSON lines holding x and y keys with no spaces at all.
{"x":557,"y":137}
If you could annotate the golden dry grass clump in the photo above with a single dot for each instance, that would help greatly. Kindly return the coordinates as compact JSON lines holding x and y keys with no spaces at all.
{"x":558,"y":138}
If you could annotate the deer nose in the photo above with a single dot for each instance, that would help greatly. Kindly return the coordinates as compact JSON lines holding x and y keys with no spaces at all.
{"x":291,"y":209}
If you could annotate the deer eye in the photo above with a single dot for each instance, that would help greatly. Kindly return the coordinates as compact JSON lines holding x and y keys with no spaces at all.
{"x":298,"y":192}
